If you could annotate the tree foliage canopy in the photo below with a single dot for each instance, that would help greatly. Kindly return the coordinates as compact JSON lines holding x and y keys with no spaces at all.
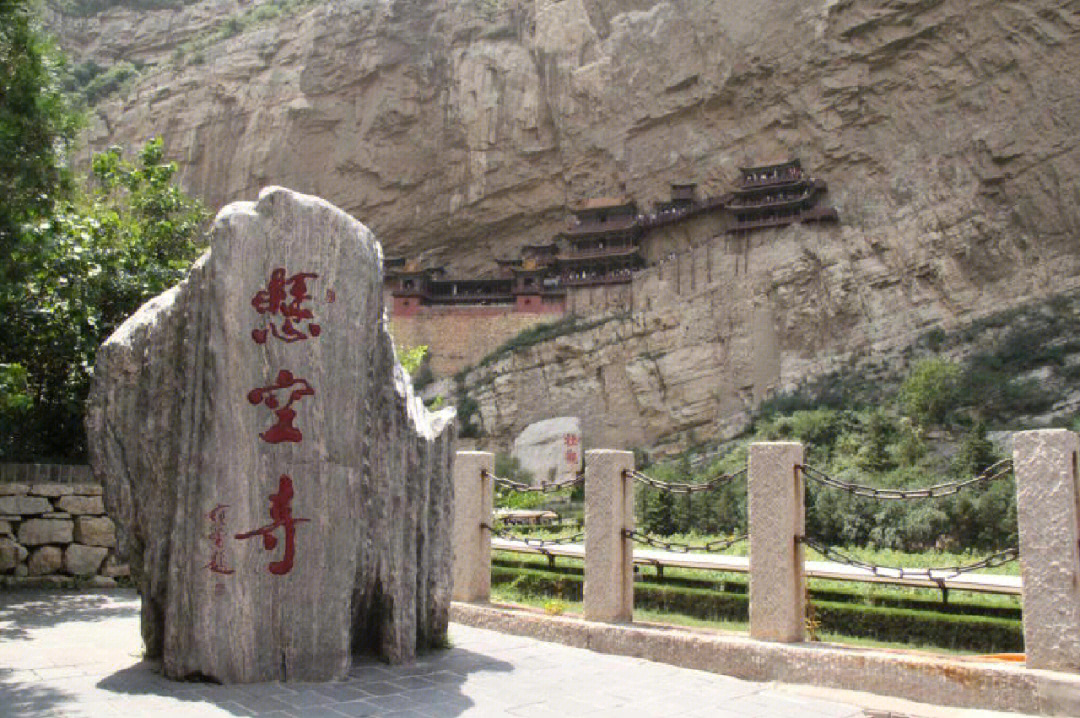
{"x":125,"y":236}
{"x":930,"y":391}
{"x":76,"y":258}
{"x":36,"y":125}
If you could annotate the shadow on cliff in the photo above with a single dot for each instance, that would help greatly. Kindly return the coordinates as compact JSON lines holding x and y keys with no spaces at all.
{"x":431,"y":684}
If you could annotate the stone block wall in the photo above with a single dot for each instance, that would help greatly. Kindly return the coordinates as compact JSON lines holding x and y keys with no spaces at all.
{"x":459,"y":337}
{"x":54,"y":534}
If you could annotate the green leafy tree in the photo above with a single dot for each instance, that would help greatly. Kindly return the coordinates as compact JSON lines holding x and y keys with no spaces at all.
{"x":36,"y":127}
{"x":874,"y":455}
{"x":931,"y":390}
{"x":127,"y":235}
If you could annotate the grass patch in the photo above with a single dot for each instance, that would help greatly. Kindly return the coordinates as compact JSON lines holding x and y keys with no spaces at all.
{"x":727,"y":609}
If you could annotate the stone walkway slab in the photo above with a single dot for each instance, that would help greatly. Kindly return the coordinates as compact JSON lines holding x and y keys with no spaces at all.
{"x":79,"y":654}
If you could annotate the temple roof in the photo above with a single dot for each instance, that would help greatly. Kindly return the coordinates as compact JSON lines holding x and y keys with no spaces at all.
{"x":601,"y":203}
{"x":773,"y":165}
{"x":587,"y":229}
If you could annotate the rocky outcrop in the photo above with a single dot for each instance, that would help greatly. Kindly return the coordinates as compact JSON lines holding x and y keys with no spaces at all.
{"x":945,"y":128}
{"x":283,"y":498}
{"x":550,"y":450}
{"x":691,"y":363}
{"x":468,"y":126}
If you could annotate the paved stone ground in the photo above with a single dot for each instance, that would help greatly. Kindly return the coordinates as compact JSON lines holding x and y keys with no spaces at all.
{"x":78,"y":654}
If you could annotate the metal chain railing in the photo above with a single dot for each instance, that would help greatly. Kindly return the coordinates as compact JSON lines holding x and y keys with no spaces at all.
{"x":532,"y":540}
{"x":999,"y":470}
{"x":544,"y":487}
{"x":680,"y":487}
{"x":678,"y":547}
{"x":933,"y":574}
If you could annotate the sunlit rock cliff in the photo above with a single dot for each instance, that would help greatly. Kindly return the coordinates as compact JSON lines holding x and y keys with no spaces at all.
{"x":462,"y":128}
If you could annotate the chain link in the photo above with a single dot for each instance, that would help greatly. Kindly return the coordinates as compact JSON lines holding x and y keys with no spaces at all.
{"x":544,"y":487}
{"x":999,"y":470}
{"x":933,"y":574}
{"x":681,"y":487}
{"x":676,"y":547}
{"x":532,"y":540}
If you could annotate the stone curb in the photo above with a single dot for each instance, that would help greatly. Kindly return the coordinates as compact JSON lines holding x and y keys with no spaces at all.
{"x":927,"y":679}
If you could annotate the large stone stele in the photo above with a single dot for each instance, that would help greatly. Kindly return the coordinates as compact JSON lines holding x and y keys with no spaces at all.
{"x":197,"y":449}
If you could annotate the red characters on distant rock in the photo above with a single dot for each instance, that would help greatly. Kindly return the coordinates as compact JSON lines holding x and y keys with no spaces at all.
{"x":571,"y":441}
{"x":297,"y":389}
{"x":284,"y":297}
{"x":281,"y":515}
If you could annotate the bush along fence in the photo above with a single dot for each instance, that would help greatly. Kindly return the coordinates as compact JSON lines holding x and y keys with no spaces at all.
{"x":1045,"y":465}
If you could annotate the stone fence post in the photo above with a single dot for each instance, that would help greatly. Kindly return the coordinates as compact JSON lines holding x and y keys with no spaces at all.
{"x":1048,"y":513}
{"x":609,"y":554}
{"x":473,"y":506}
{"x":775,"y":508}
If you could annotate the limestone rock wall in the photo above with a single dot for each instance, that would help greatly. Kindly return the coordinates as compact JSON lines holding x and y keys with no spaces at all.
{"x":55,"y":534}
{"x":945,"y":128}
{"x":468,"y":126}
{"x":718,"y":328}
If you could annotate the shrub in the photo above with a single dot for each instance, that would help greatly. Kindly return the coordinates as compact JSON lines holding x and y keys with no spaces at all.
{"x":984,"y":633}
{"x":930,"y":391}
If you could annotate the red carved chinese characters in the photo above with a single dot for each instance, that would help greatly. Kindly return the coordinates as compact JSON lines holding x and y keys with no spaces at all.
{"x":297,"y":389}
{"x":281,"y":514}
{"x":571,"y":441}
{"x":284,"y":297}
{"x":217,"y":540}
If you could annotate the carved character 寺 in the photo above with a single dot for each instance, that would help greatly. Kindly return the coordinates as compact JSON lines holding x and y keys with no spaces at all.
{"x":281,"y":514}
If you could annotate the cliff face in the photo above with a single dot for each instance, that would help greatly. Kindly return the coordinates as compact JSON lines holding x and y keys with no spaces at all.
{"x":946,"y":130}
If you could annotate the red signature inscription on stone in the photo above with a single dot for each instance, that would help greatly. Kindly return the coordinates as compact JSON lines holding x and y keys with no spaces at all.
{"x":284,"y":298}
{"x":217,"y":518}
{"x":297,"y":389}
{"x":281,"y":514}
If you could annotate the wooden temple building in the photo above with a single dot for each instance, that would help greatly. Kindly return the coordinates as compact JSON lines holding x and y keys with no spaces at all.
{"x":604,"y":243}
{"x":777,"y":195}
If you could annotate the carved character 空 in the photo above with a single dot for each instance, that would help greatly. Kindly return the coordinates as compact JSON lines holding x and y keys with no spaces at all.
{"x":283,"y":430}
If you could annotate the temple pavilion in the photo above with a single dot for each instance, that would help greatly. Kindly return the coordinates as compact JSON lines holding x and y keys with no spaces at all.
{"x":777,"y":195}
{"x":605,"y":241}
{"x":602,"y":244}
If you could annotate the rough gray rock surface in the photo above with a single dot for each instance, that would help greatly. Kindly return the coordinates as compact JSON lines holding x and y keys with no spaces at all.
{"x":192,"y":455}
{"x":550,"y":449}
{"x":80,"y":504}
{"x":45,"y":560}
{"x":95,"y":531}
{"x":81,"y":560}
{"x":24,"y":505}
{"x":36,"y":532}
